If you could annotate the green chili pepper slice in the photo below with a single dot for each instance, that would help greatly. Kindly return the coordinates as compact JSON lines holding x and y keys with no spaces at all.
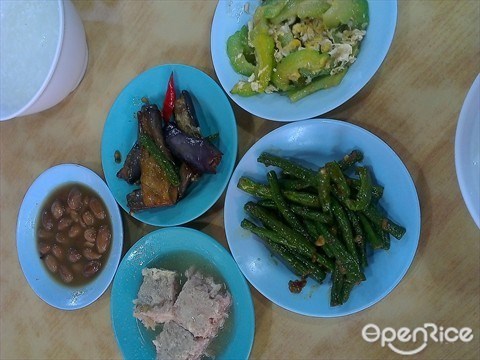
{"x":301,"y":9}
{"x":273,"y":7}
{"x":317,"y":84}
{"x":347,"y":12}
{"x":236,"y":45}
{"x":288,"y":69}
{"x":264,"y":47}
{"x":169,"y":168}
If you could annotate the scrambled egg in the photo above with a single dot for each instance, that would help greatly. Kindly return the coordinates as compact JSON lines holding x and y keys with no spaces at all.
{"x":294,"y":34}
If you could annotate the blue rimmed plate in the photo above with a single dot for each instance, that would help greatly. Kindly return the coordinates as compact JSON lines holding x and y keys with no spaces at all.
{"x":230,"y":16}
{"x":215,"y":115}
{"x":313,"y":143}
{"x":50,"y":290}
{"x":156,"y":250}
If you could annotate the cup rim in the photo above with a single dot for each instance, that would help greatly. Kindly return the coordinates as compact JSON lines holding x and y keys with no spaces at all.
{"x":53,"y":65}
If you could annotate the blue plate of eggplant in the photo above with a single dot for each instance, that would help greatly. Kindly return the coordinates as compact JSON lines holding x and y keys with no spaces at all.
{"x":169,"y":145}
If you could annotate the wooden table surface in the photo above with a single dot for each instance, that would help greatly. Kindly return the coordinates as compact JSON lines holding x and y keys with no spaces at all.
{"x":412,"y":103}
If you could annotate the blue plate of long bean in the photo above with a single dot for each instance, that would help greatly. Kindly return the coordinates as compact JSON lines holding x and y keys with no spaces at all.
{"x":311,"y":144}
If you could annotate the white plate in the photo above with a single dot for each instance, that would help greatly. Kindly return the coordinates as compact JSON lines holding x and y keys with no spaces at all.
{"x":43,"y":284}
{"x":467,"y":150}
{"x":230,"y":17}
{"x":314,"y":142}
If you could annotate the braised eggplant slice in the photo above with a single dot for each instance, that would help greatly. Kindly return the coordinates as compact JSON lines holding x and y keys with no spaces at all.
{"x":199,"y":153}
{"x":187,"y":176}
{"x":156,"y":189}
{"x":130,"y":172}
{"x":185,"y":115}
{"x":150,"y":122}
{"x":135,"y":201}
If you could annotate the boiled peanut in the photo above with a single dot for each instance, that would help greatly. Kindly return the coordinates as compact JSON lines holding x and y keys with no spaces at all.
{"x":44,"y":234}
{"x":65,"y":274}
{"x":104,"y":237}
{"x":89,"y":244}
{"x":86,"y":200}
{"x":51,"y":263}
{"x":58,"y":252}
{"x":82,"y":223}
{"x":88,"y":218}
{"x":97,"y":208}
{"x":74,"y":231}
{"x":74,"y":199}
{"x":57,"y":209}
{"x":74,"y":215}
{"x":44,"y":247}
{"x":73,"y":255}
{"x":91,"y":268}
{"x":64,"y":223}
{"x":47,"y":220}
{"x":61,"y":238}
{"x":90,"y":234}
{"x":90,"y":254}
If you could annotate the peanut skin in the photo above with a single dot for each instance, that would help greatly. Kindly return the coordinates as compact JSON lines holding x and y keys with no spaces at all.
{"x":104,"y":237}
{"x":91,"y":268}
{"x":52,"y":263}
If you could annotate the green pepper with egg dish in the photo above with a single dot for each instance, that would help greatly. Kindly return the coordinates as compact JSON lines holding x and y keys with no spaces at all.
{"x":297,"y":47}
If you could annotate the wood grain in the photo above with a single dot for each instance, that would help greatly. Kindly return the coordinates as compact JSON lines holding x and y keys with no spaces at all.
{"x":412,"y":103}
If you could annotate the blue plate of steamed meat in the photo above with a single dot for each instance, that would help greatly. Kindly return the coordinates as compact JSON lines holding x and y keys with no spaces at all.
{"x":178,"y":294}
{"x":169,"y":145}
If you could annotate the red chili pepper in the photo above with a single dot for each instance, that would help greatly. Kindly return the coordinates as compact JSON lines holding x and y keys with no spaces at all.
{"x":169,"y":101}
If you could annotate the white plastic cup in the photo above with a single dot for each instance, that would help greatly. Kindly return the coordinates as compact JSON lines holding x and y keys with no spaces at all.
{"x":66,"y":69}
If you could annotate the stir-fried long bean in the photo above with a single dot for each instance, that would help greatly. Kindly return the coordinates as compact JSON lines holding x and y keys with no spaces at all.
{"x":350,"y":159}
{"x":324,"y":189}
{"x":294,"y":238}
{"x":282,"y":205}
{"x":289,"y":167}
{"x":320,"y":221}
{"x":276,"y":243}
